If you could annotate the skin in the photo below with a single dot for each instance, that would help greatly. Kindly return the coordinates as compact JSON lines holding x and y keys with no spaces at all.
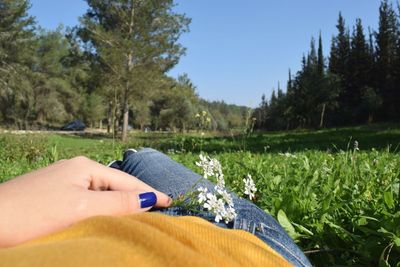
{"x":55,"y":197}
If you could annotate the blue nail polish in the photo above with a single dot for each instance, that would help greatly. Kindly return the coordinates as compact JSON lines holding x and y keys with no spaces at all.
{"x":146,"y":200}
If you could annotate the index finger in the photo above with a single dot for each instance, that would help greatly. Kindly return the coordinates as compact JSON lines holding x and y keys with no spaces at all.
{"x":105,"y":178}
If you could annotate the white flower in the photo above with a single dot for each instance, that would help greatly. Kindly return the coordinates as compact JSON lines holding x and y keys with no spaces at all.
{"x":288,"y":155}
{"x":219,"y":210}
{"x":202,"y":197}
{"x":249,"y":186}
{"x":211,"y":167}
{"x":230,"y":214}
{"x":225,"y":196}
{"x":219,"y":203}
{"x":204,"y":164}
{"x":356,"y":145}
{"x":220,"y":180}
{"x":211,"y":202}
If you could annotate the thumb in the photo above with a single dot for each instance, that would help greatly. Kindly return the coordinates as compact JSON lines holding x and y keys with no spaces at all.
{"x":123,"y":202}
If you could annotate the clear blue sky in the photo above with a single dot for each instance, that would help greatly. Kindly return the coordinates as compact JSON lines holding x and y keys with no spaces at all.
{"x":239,"y":49}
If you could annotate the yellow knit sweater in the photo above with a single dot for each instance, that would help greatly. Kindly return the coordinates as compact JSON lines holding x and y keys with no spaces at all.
{"x":147,"y":239}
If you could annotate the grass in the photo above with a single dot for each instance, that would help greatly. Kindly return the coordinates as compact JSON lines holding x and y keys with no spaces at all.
{"x":340,"y":204}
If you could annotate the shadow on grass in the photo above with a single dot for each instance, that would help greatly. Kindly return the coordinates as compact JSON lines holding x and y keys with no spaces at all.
{"x":379,"y":137}
{"x":333,"y":140}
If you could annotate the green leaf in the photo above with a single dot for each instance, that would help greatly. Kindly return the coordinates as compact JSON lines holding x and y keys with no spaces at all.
{"x":362,"y":221}
{"x":397,"y":241}
{"x":286,"y":224}
{"x":388,"y":197}
{"x":277,"y":179}
{"x":326,"y":203}
{"x":302,"y":229}
{"x":383,"y":263}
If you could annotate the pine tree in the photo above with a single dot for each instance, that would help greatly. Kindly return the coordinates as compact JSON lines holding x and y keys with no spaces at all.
{"x":134,"y":41}
{"x":340,"y":50}
{"x":360,"y":66}
{"x":339,"y":66}
{"x":17,"y":42}
{"x":321,"y":61}
{"x":58,"y":96}
{"x":386,"y":43}
{"x":312,"y":59}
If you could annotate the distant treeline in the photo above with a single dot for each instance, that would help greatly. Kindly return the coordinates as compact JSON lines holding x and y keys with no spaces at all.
{"x":359,"y":83}
{"x":110,"y":70}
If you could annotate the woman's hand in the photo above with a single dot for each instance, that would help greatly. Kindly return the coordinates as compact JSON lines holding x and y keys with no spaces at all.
{"x":65,"y":192}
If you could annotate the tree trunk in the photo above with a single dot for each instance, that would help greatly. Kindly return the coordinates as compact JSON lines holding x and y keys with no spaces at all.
{"x":116,"y":117}
{"x":125,"y":122}
{"x":129,"y":67}
{"x":116,"y":125}
{"x":321,"y":123}
{"x":26,"y":124}
{"x":109,"y":117}
{"x":370,"y":118}
{"x":126,"y":105}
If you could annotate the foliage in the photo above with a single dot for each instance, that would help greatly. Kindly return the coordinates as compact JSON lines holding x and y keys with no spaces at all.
{"x":360,"y":84}
{"x":338,"y":201}
{"x":132,"y":41}
{"x":17,"y":45}
{"x":109,"y":68}
{"x":343,"y":205}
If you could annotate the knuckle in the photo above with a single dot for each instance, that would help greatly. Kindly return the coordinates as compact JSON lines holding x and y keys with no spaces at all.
{"x":80,"y":159}
{"x":127,"y":202}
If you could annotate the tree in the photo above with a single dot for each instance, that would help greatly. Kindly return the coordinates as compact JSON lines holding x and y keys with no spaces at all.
{"x":360,"y":66}
{"x":58,"y":84}
{"x":129,"y":36}
{"x":386,"y":43}
{"x":371,"y":102}
{"x":321,"y":59}
{"x":17,"y":44}
{"x":94,"y":109}
{"x":176,"y":107}
{"x":261,"y":112}
{"x":339,"y":66}
{"x":340,"y":50}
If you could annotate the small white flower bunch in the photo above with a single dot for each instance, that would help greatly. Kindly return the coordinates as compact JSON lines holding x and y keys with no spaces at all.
{"x":220,"y":202}
{"x":356,"y":148}
{"x":211,"y":167}
{"x":288,"y":155}
{"x":249,"y":186}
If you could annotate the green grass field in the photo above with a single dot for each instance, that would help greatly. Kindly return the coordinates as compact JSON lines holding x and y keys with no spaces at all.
{"x":340,"y":204}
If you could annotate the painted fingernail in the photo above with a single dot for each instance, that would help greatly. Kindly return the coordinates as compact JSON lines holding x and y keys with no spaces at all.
{"x":148,"y":199}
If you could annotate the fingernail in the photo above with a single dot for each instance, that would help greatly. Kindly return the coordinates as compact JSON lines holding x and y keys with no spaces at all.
{"x":148,"y":199}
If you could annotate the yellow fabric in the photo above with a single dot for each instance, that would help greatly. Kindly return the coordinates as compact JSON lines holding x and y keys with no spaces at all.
{"x":147,"y":239}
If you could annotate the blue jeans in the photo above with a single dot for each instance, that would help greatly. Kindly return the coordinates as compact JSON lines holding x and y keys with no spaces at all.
{"x":162,"y":173}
